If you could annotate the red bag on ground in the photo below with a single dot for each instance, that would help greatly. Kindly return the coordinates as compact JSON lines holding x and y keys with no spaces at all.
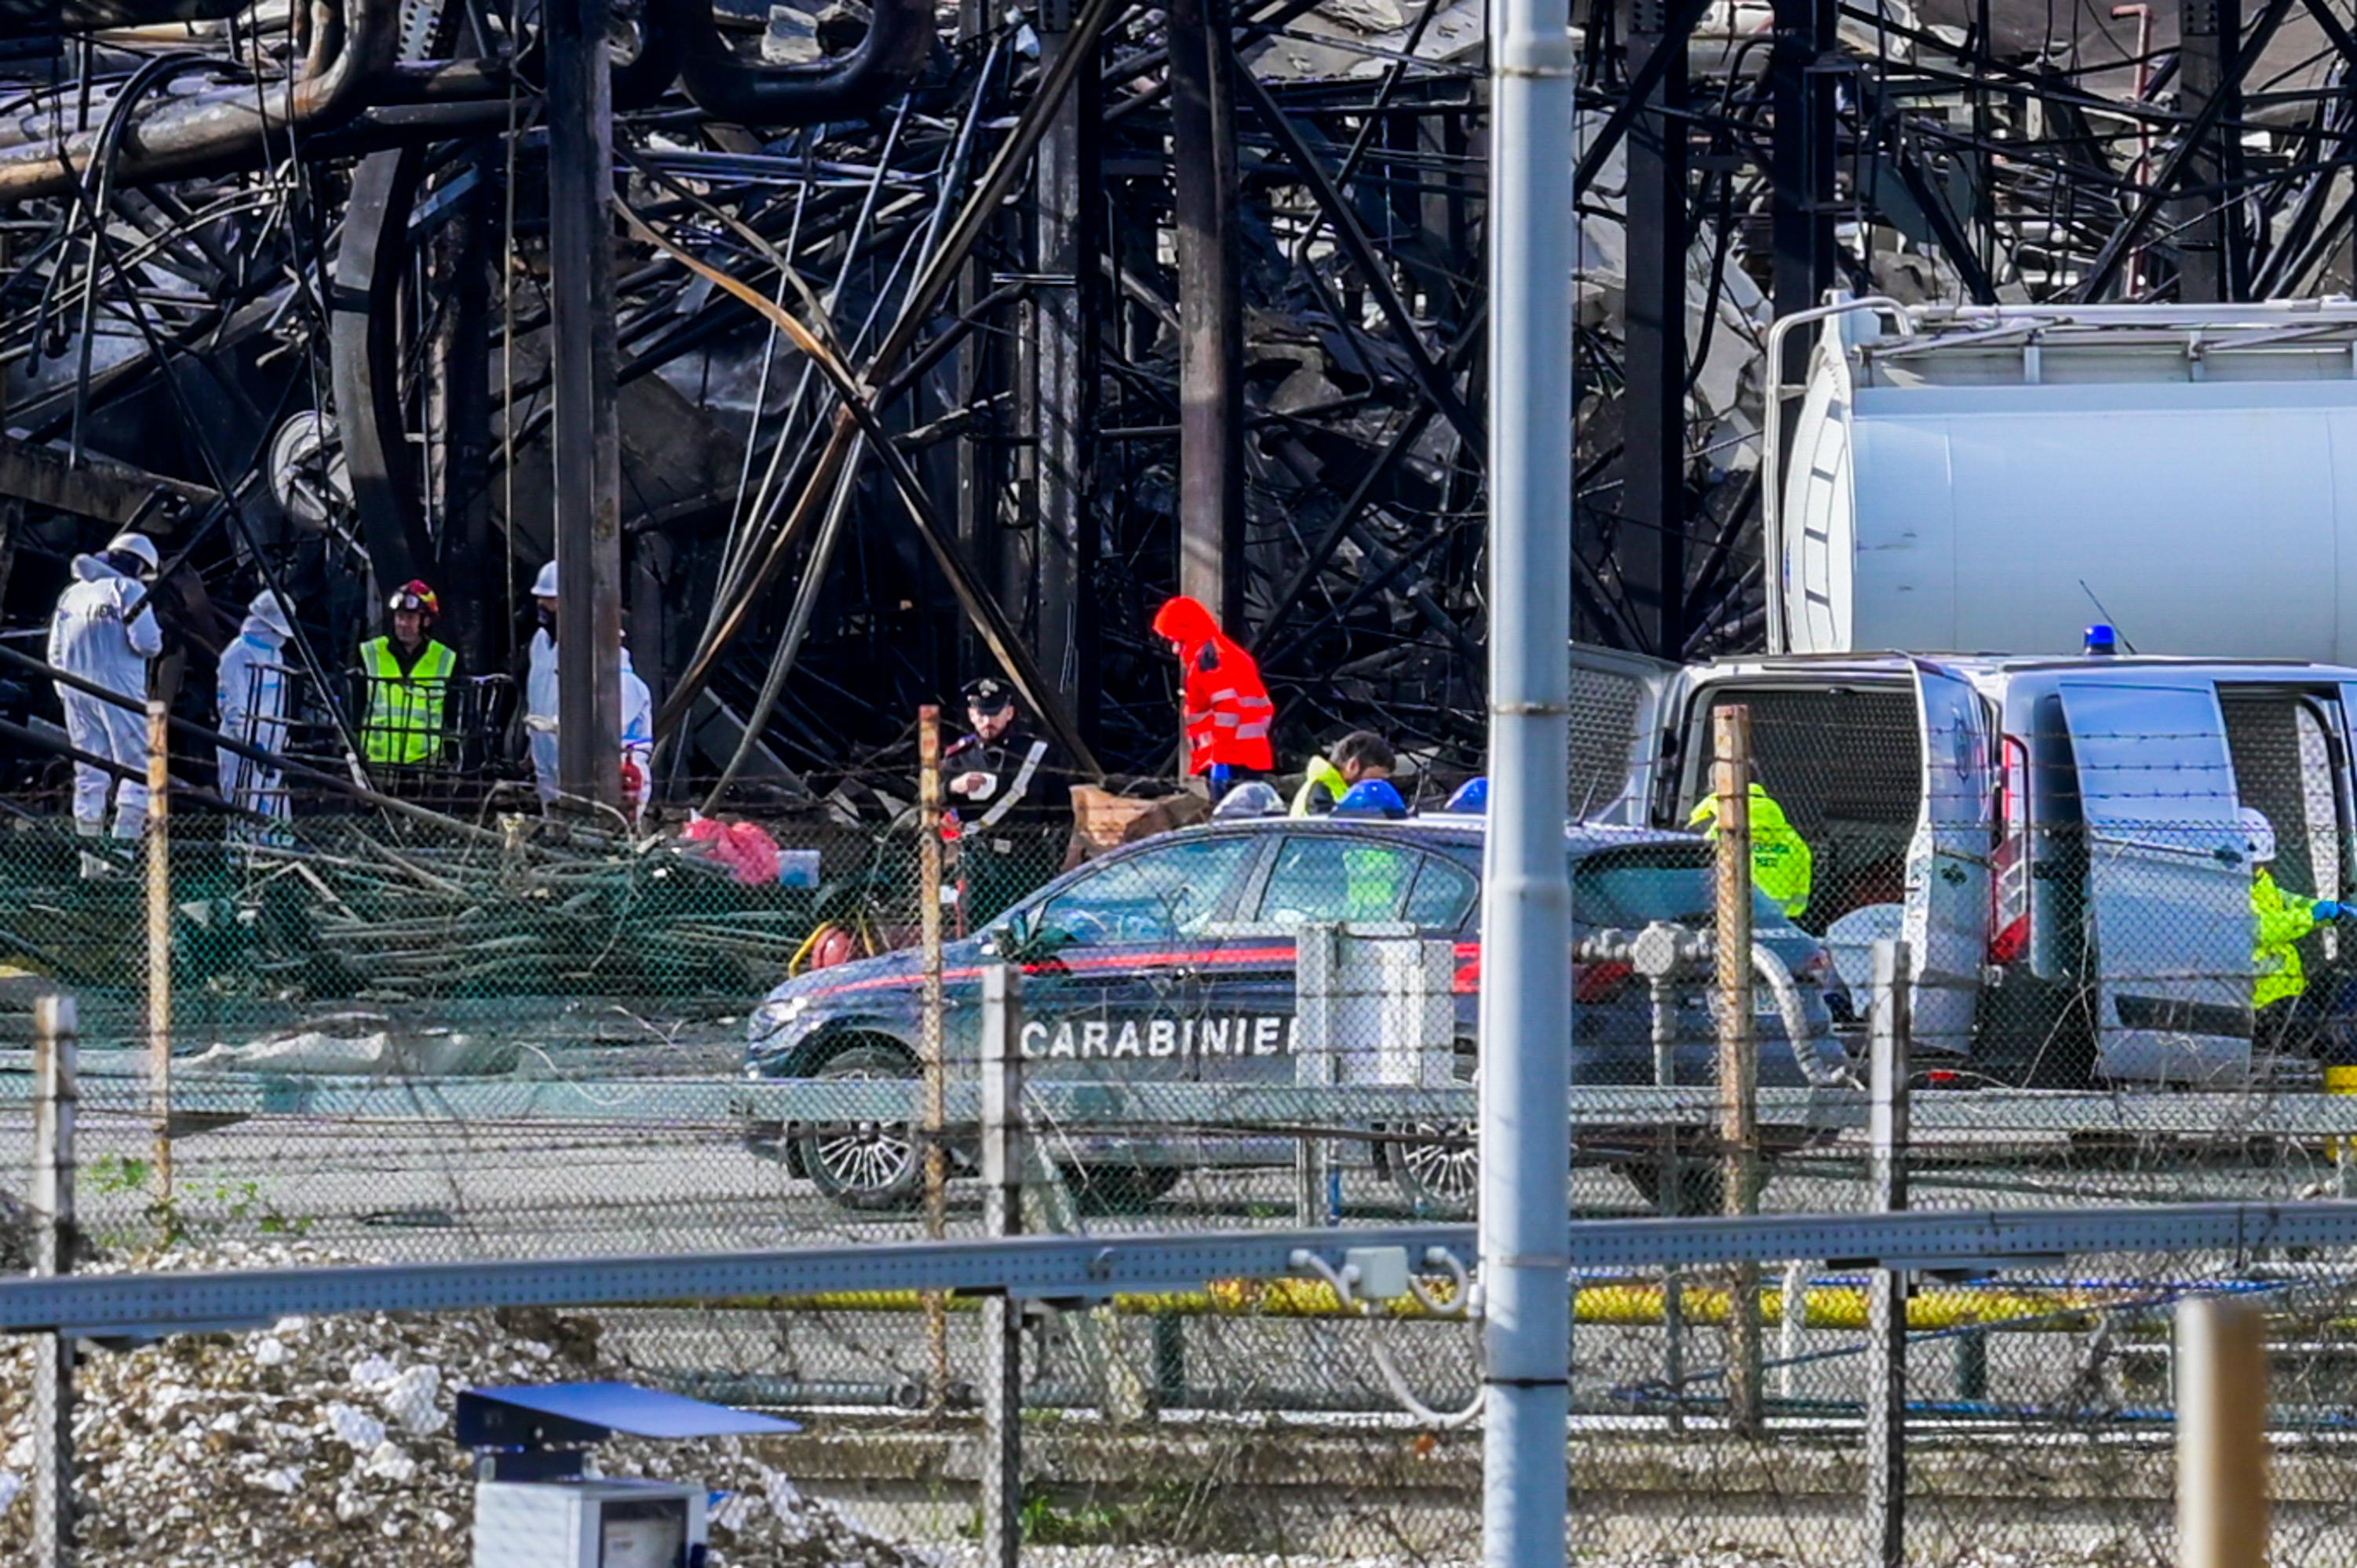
{"x":750,"y":853}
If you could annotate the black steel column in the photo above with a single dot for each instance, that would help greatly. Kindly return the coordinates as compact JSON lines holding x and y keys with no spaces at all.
{"x":586,"y":452}
{"x":1210,"y":311}
{"x":468,"y":576}
{"x":1801,"y":163}
{"x":980,"y":376}
{"x":2210,"y":253}
{"x":1062,"y":453}
{"x":1650,"y":543}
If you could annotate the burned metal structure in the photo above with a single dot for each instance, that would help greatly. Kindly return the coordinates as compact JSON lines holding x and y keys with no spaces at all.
{"x":843,"y":355}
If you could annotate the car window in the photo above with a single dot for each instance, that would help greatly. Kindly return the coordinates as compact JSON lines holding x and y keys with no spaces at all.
{"x":1444,"y":895}
{"x":1171,"y":891}
{"x":1633,"y":888}
{"x":1328,"y":878}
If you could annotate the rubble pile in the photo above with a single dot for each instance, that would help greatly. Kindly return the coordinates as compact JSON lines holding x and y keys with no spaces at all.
{"x":323,"y":1441}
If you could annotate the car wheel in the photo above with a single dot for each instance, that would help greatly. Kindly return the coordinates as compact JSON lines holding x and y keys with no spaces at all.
{"x":1437,"y":1166}
{"x":1118,"y":1188}
{"x":872,"y":1166}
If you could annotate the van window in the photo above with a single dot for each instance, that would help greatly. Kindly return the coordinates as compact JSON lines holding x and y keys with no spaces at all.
{"x":2282,"y":766}
{"x":1845,"y":763}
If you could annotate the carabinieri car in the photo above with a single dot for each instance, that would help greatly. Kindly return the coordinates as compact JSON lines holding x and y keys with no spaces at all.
{"x":1173,"y":959}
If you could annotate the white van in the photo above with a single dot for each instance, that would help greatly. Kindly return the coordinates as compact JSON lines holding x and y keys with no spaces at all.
{"x":2058,"y":839}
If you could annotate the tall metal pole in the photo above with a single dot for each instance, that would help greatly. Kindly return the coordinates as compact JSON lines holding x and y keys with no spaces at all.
{"x":159,"y":943}
{"x":54,"y":1041}
{"x":587,"y":452}
{"x":1525,"y":1014}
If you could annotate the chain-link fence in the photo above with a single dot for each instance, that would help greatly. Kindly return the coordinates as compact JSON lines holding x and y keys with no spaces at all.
{"x":491,"y":1035}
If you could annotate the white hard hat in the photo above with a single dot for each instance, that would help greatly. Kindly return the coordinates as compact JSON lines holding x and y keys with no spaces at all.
{"x":264,"y":607}
{"x":544,"y":586}
{"x":2259,"y":836}
{"x":138,"y":545}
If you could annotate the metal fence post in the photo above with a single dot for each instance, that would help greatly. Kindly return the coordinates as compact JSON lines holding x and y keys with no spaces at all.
{"x":1318,"y":981}
{"x":2222,"y":1419}
{"x":55,"y":1027}
{"x":1791,"y":1322}
{"x":929,"y":894}
{"x":1739,"y":1060}
{"x":1658,"y":958}
{"x":1003,"y":1166}
{"x":159,"y":943}
{"x":1885,"y":1306}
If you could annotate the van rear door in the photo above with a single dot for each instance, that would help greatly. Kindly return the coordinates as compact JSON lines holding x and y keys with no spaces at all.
{"x":2169,"y":888}
{"x":1948,"y":863}
{"x":1619,"y":704}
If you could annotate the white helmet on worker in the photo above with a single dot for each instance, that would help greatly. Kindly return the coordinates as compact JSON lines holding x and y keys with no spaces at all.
{"x":135,"y":544}
{"x":2259,"y":836}
{"x":544,"y":586}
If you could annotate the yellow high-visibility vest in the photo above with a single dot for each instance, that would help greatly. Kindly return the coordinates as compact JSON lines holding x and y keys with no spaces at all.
{"x":1320,"y":772}
{"x":1783,"y":865}
{"x":2282,"y":920}
{"x":404,"y":708}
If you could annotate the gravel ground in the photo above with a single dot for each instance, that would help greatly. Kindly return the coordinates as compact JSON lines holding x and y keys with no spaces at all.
{"x":326,"y":1443}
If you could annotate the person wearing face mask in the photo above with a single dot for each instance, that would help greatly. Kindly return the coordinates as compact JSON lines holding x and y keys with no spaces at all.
{"x":102,"y":632}
{"x":637,"y":728}
{"x":251,"y":696}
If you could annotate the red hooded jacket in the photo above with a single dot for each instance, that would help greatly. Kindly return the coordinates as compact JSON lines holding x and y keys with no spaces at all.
{"x":1227,"y":708}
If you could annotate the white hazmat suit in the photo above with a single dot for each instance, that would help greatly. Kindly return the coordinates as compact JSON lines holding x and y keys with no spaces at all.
{"x":94,"y":635}
{"x":252,"y":694}
{"x":637,"y":728}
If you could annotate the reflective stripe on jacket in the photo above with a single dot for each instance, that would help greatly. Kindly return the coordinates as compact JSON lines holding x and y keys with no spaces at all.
{"x":2282,"y":918}
{"x":1782,"y":862}
{"x":1228,"y":713}
{"x":404,"y":708}
{"x":1325,"y":775}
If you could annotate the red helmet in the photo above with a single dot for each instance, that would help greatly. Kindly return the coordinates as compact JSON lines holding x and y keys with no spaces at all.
{"x":414,"y":595}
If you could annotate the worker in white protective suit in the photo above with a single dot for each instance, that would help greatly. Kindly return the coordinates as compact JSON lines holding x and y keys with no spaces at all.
{"x":250,"y":695}
{"x":637,"y":726}
{"x":102,"y":634}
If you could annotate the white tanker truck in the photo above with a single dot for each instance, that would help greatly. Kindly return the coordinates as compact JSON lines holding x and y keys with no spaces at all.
{"x":2058,"y":836}
{"x":1983,"y":479}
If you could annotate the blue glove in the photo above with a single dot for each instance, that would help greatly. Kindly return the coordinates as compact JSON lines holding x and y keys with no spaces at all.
{"x":2325,"y":909}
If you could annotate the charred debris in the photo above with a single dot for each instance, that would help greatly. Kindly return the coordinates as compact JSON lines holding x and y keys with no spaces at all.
{"x":947,"y":339}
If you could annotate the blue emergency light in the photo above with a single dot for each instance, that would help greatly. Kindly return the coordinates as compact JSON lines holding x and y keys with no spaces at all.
{"x":2102,"y":642}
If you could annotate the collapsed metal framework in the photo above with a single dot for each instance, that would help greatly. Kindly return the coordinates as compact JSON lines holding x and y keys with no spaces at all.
{"x":944,"y":343}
